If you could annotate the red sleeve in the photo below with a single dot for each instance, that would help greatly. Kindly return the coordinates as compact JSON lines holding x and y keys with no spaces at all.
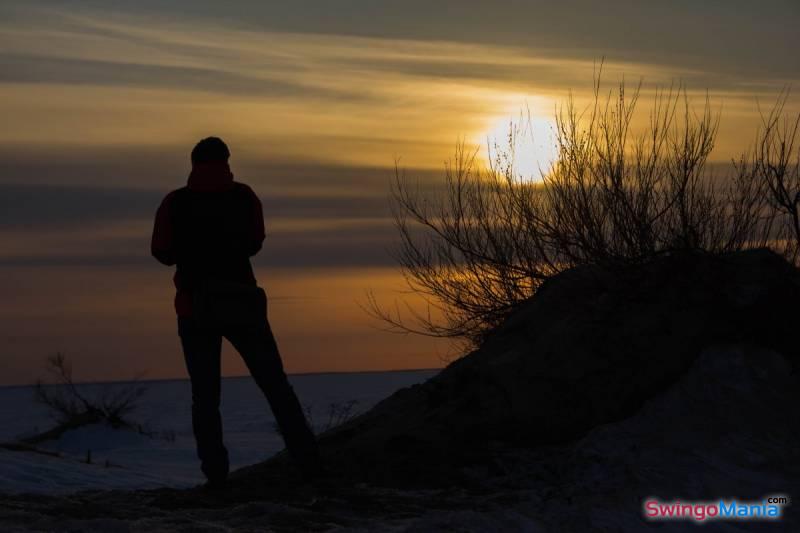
{"x":162,"y":245}
{"x":257,"y":228}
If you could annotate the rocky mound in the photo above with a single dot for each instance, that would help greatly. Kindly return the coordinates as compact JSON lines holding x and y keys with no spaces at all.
{"x":591,"y":347}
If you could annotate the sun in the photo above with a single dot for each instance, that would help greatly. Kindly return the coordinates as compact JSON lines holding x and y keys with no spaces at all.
{"x":534,"y":144}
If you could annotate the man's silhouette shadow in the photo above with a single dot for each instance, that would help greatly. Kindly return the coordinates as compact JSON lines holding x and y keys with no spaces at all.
{"x":209,"y":229}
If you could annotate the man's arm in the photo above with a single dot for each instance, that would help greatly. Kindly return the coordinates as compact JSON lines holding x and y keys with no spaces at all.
{"x":257,"y":225}
{"x":162,"y":245}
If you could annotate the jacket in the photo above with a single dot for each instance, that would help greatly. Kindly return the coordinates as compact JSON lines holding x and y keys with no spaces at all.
{"x":209,"y":229}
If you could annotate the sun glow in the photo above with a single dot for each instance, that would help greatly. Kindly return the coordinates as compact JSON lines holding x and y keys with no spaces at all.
{"x":526,"y":140}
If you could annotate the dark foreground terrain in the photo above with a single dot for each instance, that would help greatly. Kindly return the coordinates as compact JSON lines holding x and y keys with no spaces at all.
{"x":677,"y":381}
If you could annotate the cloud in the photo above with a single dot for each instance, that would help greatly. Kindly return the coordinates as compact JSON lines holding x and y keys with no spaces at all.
{"x":737,"y":36}
{"x":139,"y":76}
{"x":21,"y":68}
{"x":45,"y":206}
{"x":103,"y":226}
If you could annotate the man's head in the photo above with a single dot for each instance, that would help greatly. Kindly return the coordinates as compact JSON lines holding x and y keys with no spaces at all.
{"x":209,"y":150}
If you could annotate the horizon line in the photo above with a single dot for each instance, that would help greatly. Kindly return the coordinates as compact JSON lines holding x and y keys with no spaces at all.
{"x":156,"y":380}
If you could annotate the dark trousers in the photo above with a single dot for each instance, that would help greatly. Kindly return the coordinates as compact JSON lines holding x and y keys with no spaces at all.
{"x":202,"y":346}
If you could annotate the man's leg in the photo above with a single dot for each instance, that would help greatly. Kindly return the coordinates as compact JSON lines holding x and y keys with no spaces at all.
{"x":202,"y":351}
{"x":259,"y":350}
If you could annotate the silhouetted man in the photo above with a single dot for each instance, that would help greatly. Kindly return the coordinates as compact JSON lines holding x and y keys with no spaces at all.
{"x":210,"y":228}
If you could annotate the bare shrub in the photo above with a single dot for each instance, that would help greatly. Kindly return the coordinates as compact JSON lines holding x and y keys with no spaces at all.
{"x":615,"y":198}
{"x":775,"y":162}
{"x":336,"y":414}
{"x":72,"y":408}
{"x":488,"y":238}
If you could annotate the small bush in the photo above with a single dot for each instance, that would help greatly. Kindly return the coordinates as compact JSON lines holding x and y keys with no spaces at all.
{"x":336,"y":414}
{"x":72,"y":409}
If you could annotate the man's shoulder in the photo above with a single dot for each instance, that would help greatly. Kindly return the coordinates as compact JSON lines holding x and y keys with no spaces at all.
{"x":242,"y":187}
{"x":244,"y":190}
{"x":238,"y":188}
{"x":176,"y":192}
{"x":172,"y":198}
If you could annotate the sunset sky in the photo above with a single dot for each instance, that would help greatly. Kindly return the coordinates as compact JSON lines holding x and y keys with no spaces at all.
{"x":103,"y":100}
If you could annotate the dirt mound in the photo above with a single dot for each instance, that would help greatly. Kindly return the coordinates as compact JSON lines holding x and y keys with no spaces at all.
{"x":588,"y":349}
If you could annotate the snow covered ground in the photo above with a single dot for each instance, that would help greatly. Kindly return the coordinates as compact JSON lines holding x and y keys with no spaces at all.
{"x":724,"y":430}
{"x":126,"y":459}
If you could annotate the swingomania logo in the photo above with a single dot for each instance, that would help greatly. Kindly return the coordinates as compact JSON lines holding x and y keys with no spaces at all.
{"x":769,"y":508}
